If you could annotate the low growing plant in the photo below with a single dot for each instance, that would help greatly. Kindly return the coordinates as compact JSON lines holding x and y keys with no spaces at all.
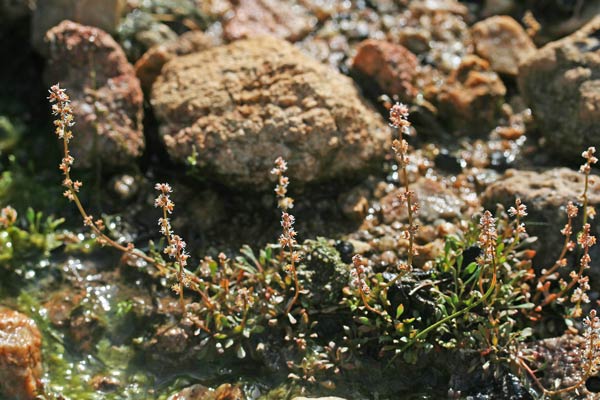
{"x":481,"y":296}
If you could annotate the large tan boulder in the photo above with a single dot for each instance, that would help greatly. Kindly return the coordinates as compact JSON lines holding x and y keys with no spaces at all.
{"x":236,"y":108}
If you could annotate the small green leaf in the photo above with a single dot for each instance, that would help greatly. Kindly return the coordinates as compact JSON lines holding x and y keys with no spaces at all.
{"x":399,"y":310}
{"x":471,"y":268}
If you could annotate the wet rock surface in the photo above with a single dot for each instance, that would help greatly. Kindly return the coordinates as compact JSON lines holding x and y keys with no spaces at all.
{"x":20,"y":356}
{"x":503,"y":42}
{"x":239,"y":105}
{"x":199,"y":392}
{"x":561,"y":84}
{"x":105,"y":93}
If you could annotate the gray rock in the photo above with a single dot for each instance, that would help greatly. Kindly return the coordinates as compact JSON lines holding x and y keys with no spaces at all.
{"x":435,"y":202}
{"x":561,"y":84}
{"x":285,"y":19}
{"x":103,"y":14}
{"x":238,"y":107}
{"x":546,"y":194}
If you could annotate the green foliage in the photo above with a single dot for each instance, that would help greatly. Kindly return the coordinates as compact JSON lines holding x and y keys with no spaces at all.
{"x":38,"y":237}
{"x":455,"y":305}
{"x":9,"y":134}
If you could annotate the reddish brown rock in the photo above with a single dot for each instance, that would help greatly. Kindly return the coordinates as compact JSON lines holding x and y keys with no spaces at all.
{"x":561,"y":84}
{"x":148,"y":67}
{"x":20,"y":356}
{"x":238,"y":107}
{"x":472,"y":96}
{"x":284,"y":19}
{"x":503,"y":42}
{"x":106,"y":95}
{"x":390,"y":65}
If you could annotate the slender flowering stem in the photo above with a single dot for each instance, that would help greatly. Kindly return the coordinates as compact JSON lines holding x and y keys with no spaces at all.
{"x":359,"y":281}
{"x":61,"y":108}
{"x":399,"y":120}
{"x":518,"y":211}
{"x":590,"y":354}
{"x":288,"y":235}
{"x":585,"y":169}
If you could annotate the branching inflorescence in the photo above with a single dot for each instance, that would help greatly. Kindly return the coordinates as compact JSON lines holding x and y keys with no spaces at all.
{"x":287,"y":239}
{"x":399,"y":120}
{"x":61,"y":108}
{"x":175,"y":248}
{"x":584,"y":239}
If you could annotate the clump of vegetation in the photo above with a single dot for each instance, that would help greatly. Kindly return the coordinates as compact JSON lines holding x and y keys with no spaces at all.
{"x":481,"y":296}
{"x":39,"y":236}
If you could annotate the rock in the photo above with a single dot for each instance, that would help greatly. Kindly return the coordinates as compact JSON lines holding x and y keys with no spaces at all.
{"x":438,"y":29}
{"x":139,"y":32}
{"x":284,"y":19}
{"x":390,"y":65}
{"x":497,"y":7}
{"x":546,"y":194}
{"x":13,"y":10}
{"x":503,"y":42}
{"x":106,"y":96}
{"x":199,"y":392}
{"x":105,"y":383}
{"x":103,"y":14}
{"x":318,"y":398}
{"x":20,"y":356}
{"x":559,"y":18}
{"x":238,"y":107}
{"x":435,"y":202}
{"x":149,"y":66}
{"x":472,"y":96}
{"x":561,"y":84}
{"x":440,"y":6}
{"x":560,"y":360}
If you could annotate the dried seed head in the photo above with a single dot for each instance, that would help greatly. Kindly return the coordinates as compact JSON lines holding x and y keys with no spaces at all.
{"x":519,"y":210}
{"x":399,"y":116}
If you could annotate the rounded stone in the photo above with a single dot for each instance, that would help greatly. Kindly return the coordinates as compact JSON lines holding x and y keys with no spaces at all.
{"x":236,"y":108}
